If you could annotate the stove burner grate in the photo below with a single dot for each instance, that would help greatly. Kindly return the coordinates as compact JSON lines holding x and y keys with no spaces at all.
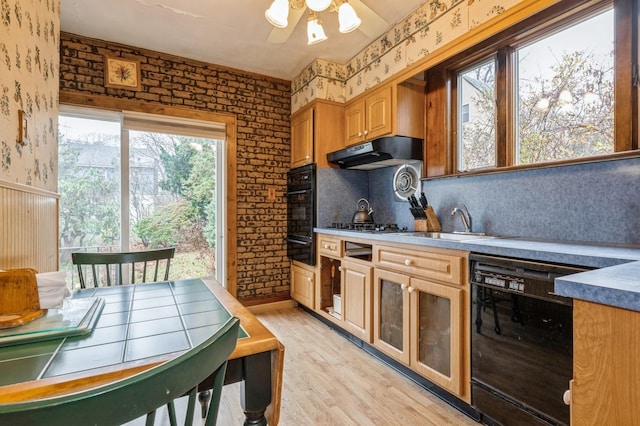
{"x":368,"y":227}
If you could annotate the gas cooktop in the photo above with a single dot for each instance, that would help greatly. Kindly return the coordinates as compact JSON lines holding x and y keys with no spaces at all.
{"x":368,"y":227}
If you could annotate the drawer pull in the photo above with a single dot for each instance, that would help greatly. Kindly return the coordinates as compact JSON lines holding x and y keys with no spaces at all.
{"x":408,"y":262}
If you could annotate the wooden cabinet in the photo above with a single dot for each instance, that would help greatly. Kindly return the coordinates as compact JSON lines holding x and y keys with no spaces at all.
{"x":393,"y":109}
{"x":418,"y":322}
{"x":316,"y":130}
{"x":410,"y":302}
{"x":437,"y":266}
{"x":435,"y":333}
{"x":391,"y":314}
{"x":606,"y":374}
{"x":303,"y":284}
{"x":302,"y":138}
{"x":329,"y":246}
{"x":356,"y":299}
{"x":419,"y":317}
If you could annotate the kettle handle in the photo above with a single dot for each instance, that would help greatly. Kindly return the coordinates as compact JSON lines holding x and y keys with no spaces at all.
{"x":366,"y":201}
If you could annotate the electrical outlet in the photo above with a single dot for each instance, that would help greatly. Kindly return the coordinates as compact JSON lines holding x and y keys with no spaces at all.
{"x":271,"y":193}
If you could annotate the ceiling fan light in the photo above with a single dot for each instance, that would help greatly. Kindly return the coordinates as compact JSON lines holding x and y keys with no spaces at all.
{"x":278,"y":13}
{"x":315,"y":32}
{"x":318,"y":5}
{"x":348,"y":18}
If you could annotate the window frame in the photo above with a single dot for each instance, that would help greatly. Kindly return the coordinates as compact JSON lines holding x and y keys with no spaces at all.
{"x":442,"y":81}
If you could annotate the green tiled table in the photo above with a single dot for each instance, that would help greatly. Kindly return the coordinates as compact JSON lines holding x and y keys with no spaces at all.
{"x":139,"y":326}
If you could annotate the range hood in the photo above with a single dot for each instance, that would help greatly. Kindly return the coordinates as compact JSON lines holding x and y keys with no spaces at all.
{"x":378,"y":153}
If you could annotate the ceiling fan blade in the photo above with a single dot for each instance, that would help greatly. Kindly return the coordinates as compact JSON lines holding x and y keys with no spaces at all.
{"x":372,"y":24}
{"x":281,"y":35}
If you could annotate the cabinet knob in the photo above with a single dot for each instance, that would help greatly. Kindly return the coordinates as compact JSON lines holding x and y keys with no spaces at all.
{"x":309,"y":279}
{"x":307,"y":157}
{"x":340,"y":268}
{"x":403,"y":286}
{"x":408,"y":262}
{"x":360,"y":134}
{"x":366,"y":132}
{"x":566,"y":397}
{"x":326,"y":246}
{"x":410,"y":289}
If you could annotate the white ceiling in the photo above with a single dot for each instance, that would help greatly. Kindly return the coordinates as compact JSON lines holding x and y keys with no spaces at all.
{"x":232,"y":33}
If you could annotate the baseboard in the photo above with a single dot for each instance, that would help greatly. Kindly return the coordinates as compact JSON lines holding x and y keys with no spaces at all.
{"x":274,"y":306}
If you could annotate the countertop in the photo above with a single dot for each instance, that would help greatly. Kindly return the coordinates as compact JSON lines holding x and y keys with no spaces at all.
{"x":614,"y":281}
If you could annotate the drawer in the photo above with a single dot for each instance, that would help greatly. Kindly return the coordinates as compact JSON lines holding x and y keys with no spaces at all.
{"x":424,"y":264}
{"x":330,"y":246}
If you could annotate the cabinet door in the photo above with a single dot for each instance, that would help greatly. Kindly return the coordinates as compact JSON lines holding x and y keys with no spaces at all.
{"x":354,"y":123}
{"x":356,"y":299}
{"x":302,"y":286}
{"x":378,"y":114}
{"x":436,"y":333}
{"x":391,"y":314}
{"x":302,"y":138}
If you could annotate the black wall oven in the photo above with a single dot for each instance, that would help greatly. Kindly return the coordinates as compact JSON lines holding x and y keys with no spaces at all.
{"x":301,"y":214}
{"x":521,"y":341}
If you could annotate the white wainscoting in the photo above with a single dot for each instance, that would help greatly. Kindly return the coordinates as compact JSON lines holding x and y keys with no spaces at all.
{"x":28,"y":227}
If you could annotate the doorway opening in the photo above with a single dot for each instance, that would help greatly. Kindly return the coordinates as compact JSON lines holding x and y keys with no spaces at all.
{"x":132,"y":181}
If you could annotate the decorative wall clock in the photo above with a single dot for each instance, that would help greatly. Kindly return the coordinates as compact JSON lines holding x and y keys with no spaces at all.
{"x":122,"y":73}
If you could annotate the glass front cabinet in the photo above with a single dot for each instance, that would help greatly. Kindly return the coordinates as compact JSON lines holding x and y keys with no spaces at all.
{"x":418,"y":322}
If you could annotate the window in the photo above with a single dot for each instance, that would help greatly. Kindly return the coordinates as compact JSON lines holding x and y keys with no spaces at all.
{"x":476,"y":136}
{"x":565,"y":93}
{"x":134,"y":181}
{"x":553,"y":88}
{"x":465,"y":113}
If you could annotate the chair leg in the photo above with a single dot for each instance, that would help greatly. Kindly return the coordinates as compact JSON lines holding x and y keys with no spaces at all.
{"x":218,"y":383}
{"x":171,"y":408}
{"x":151,"y":418}
{"x":191,"y":405}
{"x":204,"y":398}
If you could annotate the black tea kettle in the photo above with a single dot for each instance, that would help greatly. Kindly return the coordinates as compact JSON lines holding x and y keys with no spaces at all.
{"x":364,"y":213}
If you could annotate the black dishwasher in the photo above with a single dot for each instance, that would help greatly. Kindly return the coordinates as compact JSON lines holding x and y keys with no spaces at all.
{"x":521,"y":341}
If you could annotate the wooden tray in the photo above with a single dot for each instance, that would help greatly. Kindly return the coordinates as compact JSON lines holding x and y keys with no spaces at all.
{"x":76,"y":317}
{"x":16,"y":320}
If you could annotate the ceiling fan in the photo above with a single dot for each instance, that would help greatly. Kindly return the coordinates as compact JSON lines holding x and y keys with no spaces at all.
{"x":371,"y":23}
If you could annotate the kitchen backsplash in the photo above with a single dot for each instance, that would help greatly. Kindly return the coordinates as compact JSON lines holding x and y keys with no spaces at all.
{"x":593,"y":202}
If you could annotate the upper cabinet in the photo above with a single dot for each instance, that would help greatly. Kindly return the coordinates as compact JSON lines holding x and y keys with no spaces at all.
{"x":316,"y":130}
{"x":393,"y":109}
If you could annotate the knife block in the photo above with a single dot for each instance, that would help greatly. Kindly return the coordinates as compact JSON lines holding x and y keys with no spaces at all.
{"x":430,"y":224}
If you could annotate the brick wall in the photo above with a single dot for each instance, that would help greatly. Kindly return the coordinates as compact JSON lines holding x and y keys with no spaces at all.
{"x":262,"y":108}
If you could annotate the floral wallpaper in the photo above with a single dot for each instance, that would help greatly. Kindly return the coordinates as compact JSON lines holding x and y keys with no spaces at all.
{"x":29,"y":66}
{"x":434,"y":24}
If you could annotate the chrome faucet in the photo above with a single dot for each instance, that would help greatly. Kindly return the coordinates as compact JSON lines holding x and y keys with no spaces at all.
{"x":464,"y":215}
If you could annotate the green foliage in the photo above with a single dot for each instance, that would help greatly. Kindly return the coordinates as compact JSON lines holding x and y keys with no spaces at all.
{"x":89,"y":203}
{"x":165,"y":225}
{"x":210,"y":227}
{"x":177,"y":165}
{"x":200,"y":185}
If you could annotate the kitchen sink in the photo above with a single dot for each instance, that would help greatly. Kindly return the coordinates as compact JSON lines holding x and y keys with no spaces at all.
{"x":453,"y":236}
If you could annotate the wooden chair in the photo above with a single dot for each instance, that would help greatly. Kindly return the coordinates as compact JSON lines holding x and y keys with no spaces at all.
{"x":109,"y":265}
{"x":138,"y":395}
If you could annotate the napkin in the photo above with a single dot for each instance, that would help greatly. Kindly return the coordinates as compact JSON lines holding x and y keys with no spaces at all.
{"x":52,"y":289}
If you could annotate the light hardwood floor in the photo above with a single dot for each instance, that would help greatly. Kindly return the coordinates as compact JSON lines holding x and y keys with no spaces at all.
{"x":330,"y":381}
